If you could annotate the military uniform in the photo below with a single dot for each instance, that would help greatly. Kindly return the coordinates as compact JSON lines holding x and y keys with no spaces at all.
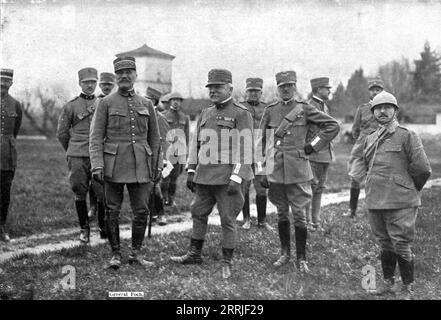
{"x":364,"y":124}
{"x":214,"y":172}
{"x":156,"y":203}
{"x":287,"y":165}
{"x":73,"y":134}
{"x":124,"y":143}
{"x":319,"y":160}
{"x":397,"y":169}
{"x":11,"y":116}
{"x":179,"y":124}
{"x":256,"y":110}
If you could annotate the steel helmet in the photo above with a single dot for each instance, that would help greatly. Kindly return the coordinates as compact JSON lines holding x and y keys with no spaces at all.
{"x":175,"y":95}
{"x":384,"y":98}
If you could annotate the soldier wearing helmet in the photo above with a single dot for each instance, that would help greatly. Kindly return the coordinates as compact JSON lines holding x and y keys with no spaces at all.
{"x":397,"y":169}
{"x":179,"y":133}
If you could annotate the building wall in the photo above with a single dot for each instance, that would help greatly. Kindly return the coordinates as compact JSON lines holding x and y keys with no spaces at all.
{"x":153,"y":72}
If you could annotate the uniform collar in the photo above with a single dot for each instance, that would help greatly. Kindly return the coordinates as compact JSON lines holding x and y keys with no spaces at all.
{"x":391,"y":126}
{"x":314,"y":97}
{"x":224,"y":103}
{"x":129,"y":93}
{"x":87,"y":96}
{"x":285,"y":102}
{"x":253,"y":103}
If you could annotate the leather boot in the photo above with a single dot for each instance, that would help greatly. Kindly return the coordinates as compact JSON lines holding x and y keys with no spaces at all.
{"x":227,"y":257}
{"x":388,"y":264}
{"x":285,"y":241}
{"x":135,"y":258}
{"x":301,"y":235}
{"x":261,"y":208}
{"x":407,"y":277}
{"x":193,"y":255}
{"x":139,"y":225}
{"x":353,"y":202}
{"x":102,"y":219}
{"x":83,"y":218}
{"x":246,"y":212}
{"x":112,"y":225}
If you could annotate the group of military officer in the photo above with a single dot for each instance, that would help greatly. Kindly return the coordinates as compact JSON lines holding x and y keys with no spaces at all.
{"x":115,"y":140}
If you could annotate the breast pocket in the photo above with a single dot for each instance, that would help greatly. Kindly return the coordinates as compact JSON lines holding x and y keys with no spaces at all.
{"x":9,"y":123}
{"x":143,"y":117}
{"x":391,"y":151}
{"x":115,"y":119}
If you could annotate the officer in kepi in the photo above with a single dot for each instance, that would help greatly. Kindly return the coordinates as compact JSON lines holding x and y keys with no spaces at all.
{"x":73,"y":134}
{"x":256,"y":107}
{"x":106,"y":83}
{"x":320,"y":160}
{"x":11,"y":112}
{"x":124,"y":145}
{"x":217,"y":166}
{"x":282,"y":141}
{"x":179,"y":133}
{"x":397,"y":169}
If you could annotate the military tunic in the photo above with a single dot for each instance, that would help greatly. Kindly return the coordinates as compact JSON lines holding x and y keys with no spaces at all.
{"x":124,"y":141}
{"x":73,"y":134}
{"x":212,"y":177}
{"x":11,"y":116}
{"x":179,"y":125}
{"x":286,"y":165}
{"x":396,"y":172}
{"x":319,"y":165}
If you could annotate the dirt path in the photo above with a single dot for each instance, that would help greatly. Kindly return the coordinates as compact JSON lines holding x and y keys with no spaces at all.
{"x":62,"y":238}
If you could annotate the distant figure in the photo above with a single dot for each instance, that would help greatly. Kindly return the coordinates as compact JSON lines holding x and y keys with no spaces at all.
{"x":256,"y":107}
{"x":73,"y":134}
{"x":179,"y":124}
{"x":364,"y":124}
{"x":397,"y":169}
{"x":319,"y":160}
{"x":165,"y":103}
{"x":155,"y":95}
{"x":11,"y":111}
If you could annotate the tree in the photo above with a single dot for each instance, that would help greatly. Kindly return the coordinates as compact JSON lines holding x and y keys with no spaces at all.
{"x":356,"y":90}
{"x":339,"y":105}
{"x":427,"y":75}
{"x":398,"y":79}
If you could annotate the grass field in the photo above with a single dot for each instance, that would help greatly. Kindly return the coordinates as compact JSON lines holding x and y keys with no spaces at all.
{"x":42,"y":199}
{"x":336,"y":259}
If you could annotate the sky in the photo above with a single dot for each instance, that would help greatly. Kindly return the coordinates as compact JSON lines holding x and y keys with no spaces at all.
{"x":46,"y":44}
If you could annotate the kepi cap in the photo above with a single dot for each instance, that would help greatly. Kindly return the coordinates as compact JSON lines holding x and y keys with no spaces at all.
{"x":7,"y":73}
{"x":219,"y":76}
{"x":320,"y":82}
{"x":122,"y":63}
{"x":254,"y":84}
{"x":376,"y":83}
{"x":107,"y":77}
{"x":153,"y":93}
{"x":87,"y":74}
{"x":285,"y":77}
{"x":165,"y":98}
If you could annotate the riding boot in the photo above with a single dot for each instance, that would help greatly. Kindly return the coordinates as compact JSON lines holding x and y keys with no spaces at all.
{"x":193,"y":255}
{"x":285,"y":241}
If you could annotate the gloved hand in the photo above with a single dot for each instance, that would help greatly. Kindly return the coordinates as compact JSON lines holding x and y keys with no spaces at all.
{"x":309,"y":149}
{"x":190,"y":183}
{"x":264,"y":182}
{"x":98,"y":175}
{"x":233,"y":188}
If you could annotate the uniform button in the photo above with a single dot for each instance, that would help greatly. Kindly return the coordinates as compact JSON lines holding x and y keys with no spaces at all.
{"x":131,"y":111}
{"x":133,"y":118}
{"x":133,"y":134}
{"x":133,"y":127}
{"x":278,"y":143}
{"x":133,"y":141}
